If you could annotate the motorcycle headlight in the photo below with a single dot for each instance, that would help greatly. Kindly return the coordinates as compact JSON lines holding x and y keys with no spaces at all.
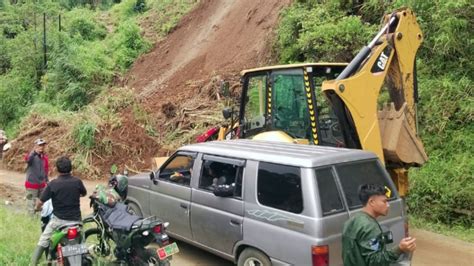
{"x":145,"y":233}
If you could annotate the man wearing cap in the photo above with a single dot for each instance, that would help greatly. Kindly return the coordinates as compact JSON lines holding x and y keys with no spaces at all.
{"x":36,"y":173}
{"x":363,"y":241}
{"x":3,"y":141}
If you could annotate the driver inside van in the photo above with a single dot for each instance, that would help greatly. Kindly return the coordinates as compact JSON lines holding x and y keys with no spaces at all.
{"x":183,"y":176}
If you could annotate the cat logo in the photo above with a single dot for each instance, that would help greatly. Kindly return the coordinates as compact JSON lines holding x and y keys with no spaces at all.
{"x":382,"y":61}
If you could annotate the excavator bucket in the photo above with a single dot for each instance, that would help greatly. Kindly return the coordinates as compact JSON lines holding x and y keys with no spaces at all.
{"x":400,"y":144}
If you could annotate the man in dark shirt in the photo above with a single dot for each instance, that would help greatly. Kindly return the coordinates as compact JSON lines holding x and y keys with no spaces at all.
{"x":363,"y":242}
{"x":65,"y":192}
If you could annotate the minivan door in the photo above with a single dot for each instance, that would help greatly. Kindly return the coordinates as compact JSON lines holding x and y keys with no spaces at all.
{"x":217,"y":220}
{"x":171,"y":194}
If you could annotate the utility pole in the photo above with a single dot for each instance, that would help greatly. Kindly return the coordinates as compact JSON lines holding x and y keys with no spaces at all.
{"x":34,"y":38}
{"x":45,"y":60}
{"x":59,"y":28}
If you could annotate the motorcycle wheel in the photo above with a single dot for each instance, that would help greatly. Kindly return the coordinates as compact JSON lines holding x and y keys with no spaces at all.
{"x":98,"y":248}
{"x":87,"y":260}
{"x":149,"y":257}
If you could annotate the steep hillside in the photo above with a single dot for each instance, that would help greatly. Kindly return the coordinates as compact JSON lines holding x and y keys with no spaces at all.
{"x":170,"y":94}
{"x":219,"y":37}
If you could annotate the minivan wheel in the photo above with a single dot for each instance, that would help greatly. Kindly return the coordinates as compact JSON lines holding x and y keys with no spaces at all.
{"x":253,"y":257}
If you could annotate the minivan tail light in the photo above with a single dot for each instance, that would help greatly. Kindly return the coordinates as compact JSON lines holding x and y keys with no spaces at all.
{"x":72,"y":233}
{"x":320,"y":255}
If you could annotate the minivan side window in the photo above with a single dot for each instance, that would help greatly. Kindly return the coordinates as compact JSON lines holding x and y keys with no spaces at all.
{"x":330,"y":198}
{"x":219,"y":173}
{"x":356,"y":174}
{"x":178,"y":170}
{"x":279,"y":186}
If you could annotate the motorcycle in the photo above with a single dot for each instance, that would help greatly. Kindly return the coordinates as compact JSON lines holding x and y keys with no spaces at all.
{"x":66,"y":245}
{"x":118,"y":233}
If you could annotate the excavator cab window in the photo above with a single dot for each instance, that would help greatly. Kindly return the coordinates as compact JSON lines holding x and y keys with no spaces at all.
{"x":330,"y":133}
{"x":289,"y":106}
{"x":276,"y":105}
{"x":277,"y":100}
{"x":255,"y":102}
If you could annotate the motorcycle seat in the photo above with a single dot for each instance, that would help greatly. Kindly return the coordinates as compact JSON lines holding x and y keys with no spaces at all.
{"x":146,"y":222}
{"x":119,"y":218}
{"x":64,"y":226}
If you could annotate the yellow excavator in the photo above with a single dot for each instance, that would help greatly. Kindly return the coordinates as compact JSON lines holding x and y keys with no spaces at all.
{"x":368,"y":104}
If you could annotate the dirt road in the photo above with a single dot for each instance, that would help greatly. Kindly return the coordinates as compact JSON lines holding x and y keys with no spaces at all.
{"x":432,"y":248}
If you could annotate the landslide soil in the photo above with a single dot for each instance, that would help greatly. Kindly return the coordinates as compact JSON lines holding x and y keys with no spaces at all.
{"x":177,"y":83}
{"x":219,"y":37}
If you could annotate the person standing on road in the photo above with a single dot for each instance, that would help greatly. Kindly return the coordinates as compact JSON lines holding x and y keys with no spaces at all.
{"x":36,"y":174}
{"x":65,"y":192}
{"x":363,"y":241}
{"x":3,"y":141}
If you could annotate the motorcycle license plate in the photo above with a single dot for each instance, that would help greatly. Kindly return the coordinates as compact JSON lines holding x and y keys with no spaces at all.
{"x":72,"y":250}
{"x":167,"y":251}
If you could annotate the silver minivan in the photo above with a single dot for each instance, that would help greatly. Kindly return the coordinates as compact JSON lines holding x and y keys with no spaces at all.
{"x":259,"y":202}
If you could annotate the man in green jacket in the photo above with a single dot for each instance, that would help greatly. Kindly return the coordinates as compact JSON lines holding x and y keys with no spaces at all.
{"x":363,"y":241}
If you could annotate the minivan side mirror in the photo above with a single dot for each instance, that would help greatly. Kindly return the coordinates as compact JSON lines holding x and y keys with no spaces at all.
{"x":227,"y":112}
{"x":153,"y":178}
{"x":224,"y":191}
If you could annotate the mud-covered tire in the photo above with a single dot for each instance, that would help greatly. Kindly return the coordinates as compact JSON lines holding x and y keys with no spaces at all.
{"x":134,"y":209}
{"x":88,"y":234}
{"x":87,"y":260}
{"x":251,"y":257}
{"x":91,"y":231}
{"x":146,"y":257}
{"x":151,"y":252}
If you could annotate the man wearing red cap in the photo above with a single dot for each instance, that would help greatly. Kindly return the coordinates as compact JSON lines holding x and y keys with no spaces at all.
{"x":36,"y":174}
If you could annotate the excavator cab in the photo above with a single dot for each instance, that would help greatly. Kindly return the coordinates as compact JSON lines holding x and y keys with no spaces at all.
{"x":285,"y":103}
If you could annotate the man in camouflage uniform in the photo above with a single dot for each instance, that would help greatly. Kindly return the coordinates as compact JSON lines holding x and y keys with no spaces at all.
{"x":363,"y":242}
{"x":116,"y":191}
{"x":106,"y":195}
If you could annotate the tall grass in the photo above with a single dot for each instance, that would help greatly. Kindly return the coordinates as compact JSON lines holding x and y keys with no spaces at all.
{"x":19,"y":234}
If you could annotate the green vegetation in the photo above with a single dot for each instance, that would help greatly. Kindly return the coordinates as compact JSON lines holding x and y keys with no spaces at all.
{"x":88,"y":43}
{"x":168,"y":13}
{"x":442,"y":191}
{"x":18,"y":237}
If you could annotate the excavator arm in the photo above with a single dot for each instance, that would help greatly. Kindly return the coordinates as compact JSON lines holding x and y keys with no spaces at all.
{"x":388,"y":60}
